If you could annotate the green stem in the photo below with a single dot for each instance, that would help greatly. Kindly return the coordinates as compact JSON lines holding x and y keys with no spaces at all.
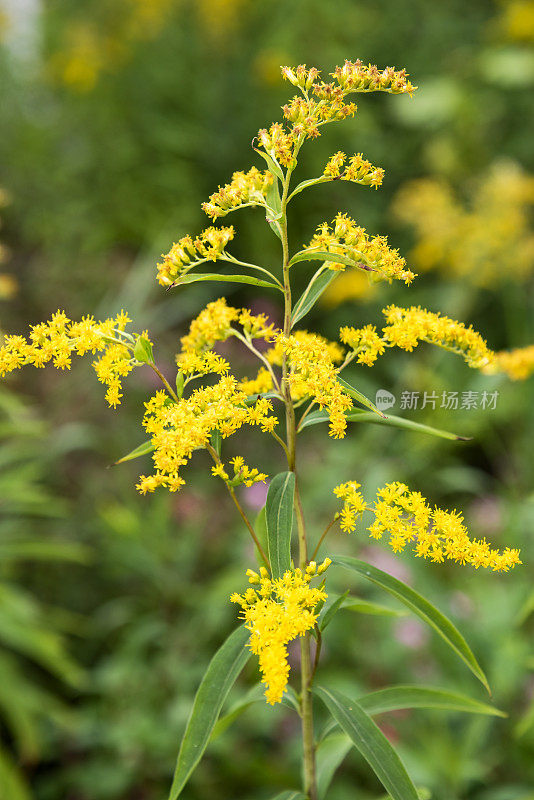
{"x":306,"y":708}
{"x":213,"y":454}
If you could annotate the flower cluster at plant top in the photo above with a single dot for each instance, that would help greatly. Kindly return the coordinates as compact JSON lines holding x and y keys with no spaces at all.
{"x":486,"y":242}
{"x":188,"y":253}
{"x":275,"y":613}
{"x":352,"y":242}
{"x":433,"y":533}
{"x":323,"y":102}
{"x":358,"y":170}
{"x":245,"y":189}
{"x":58,"y":339}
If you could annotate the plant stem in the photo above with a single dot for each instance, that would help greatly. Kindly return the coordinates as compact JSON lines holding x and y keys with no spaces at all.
{"x":306,"y":708}
{"x":165,"y":382}
{"x":244,"y":517}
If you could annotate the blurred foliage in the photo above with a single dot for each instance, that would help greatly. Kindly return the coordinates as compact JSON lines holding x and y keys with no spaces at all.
{"x":119,"y":117}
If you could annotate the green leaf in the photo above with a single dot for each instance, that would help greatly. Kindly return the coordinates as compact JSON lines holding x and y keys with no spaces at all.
{"x":142,"y":450}
{"x":219,"y":678}
{"x":367,"y":737}
{"x":367,"y":607}
{"x":254,"y":695}
{"x":331,"y":608}
{"x":395,"y":422}
{"x":324,"y":255}
{"x":312,"y":293}
{"x":361,"y":398}
{"x":306,"y":184}
{"x":12,"y":781}
{"x":180,"y":383}
{"x":398,"y":697}
{"x":274,"y":166}
{"x":420,"y":606}
{"x":193,"y":277}
{"x":143,"y":351}
{"x":330,"y":754}
{"x":279,"y":518}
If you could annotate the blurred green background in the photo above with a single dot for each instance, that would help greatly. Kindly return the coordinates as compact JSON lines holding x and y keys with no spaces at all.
{"x":118,"y":118}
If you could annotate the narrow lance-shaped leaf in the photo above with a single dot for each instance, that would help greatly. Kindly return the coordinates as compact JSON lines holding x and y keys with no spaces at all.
{"x":306,"y":184}
{"x":274,"y":166}
{"x":279,"y":519}
{"x":324,"y":255}
{"x":312,"y":293}
{"x":142,"y":450}
{"x":394,"y":698}
{"x":330,"y":754}
{"x":193,"y":277}
{"x":219,"y":678}
{"x":361,"y":398}
{"x":420,"y":606}
{"x":367,"y":737}
{"x":317,"y":417}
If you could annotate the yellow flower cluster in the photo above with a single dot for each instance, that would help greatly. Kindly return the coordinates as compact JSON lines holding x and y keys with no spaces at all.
{"x":214,"y":324}
{"x":242,"y":473}
{"x":353,"y":505}
{"x":262,"y":383}
{"x":358,"y":170}
{"x":312,"y":373}
{"x":354,"y":76}
{"x":58,"y":339}
{"x":406,"y":327}
{"x":433,"y":533}
{"x":367,"y":252}
{"x":245,"y":189}
{"x":196,"y":364}
{"x":489,"y":241}
{"x":323,"y":102}
{"x":187,"y":253}
{"x":176,"y":429}
{"x":518,"y":364}
{"x":365,"y":342}
{"x":275,"y":613}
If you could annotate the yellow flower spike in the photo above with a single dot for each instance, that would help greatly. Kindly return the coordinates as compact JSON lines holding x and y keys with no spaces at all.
{"x":354,"y":505}
{"x":58,"y":339}
{"x":186,"y":253}
{"x":368,"y":252}
{"x":406,"y":327}
{"x":245,"y":189}
{"x":433,"y":534}
{"x":275,"y":614}
{"x":312,"y":373}
{"x":518,"y":364}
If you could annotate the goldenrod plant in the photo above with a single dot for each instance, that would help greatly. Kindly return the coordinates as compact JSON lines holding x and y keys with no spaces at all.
{"x":299,"y":383}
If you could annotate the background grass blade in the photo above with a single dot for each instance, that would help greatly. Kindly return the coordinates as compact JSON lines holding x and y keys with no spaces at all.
{"x":279,"y":519}
{"x":367,"y":737}
{"x":219,"y":678}
{"x":420,"y":606}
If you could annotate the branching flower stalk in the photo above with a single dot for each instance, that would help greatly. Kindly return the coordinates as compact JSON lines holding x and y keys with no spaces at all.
{"x":298,"y":383}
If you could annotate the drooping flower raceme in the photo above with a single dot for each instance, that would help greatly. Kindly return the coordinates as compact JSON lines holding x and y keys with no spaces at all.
{"x":57,"y":340}
{"x":432,"y":533}
{"x":275,"y":613}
